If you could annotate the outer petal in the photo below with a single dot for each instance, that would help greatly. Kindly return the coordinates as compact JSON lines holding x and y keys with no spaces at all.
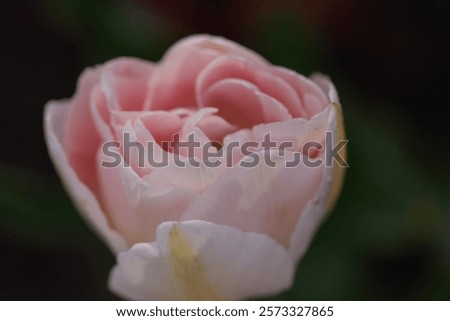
{"x":136,"y":207}
{"x":80,"y":139}
{"x":265,"y":199}
{"x":326,"y":85}
{"x":192,"y":177}
{"x":330,"y":187}
{"x":297,"y":131}
{"x":199,"y":260}
{"x":84,"y":199}
{"x":123,"y":82}
{"x":261,"y":199}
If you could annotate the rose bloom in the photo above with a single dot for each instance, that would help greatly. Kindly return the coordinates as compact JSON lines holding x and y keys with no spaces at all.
{"x":198,"y":233}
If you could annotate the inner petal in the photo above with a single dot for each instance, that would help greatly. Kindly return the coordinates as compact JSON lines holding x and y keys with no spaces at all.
{"x":173,"y":82}
{"x":313,"y":99}
{"x":162,"y":125}
{"x":260,"y":76}
{"x":242,"y":103}
{"x":125,"y":83}
{"x":218,"y":45}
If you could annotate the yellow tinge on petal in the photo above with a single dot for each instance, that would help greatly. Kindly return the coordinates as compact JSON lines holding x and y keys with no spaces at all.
{"x":338,"y":170}
{"x":188,"y":272}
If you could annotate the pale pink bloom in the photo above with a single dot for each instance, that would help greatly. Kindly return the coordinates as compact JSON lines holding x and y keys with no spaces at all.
{"x":197,"y":233}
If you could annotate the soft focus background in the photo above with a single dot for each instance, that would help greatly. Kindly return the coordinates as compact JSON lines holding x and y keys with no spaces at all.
{"x":389,"y":236}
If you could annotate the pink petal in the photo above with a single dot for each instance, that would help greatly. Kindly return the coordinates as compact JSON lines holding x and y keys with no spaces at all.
{"x":215,"y":127}
{"x":241,"y":103}
{"x":194,"y":176}
{"x":261,"y":199}
{"x":190,"y":132}
{"x":214,"y":44}
{"x":81,"y":139}
{"x":297,"y":132}
{"x":172,"y":84}
{"x":125,"y":83}
{"x":121,"y":117}
{"x":212,"y":126}
{"x":139,"y":149}
{"x":324,"y":82}
{"x":84,"y":199}
{"x":162,"y":125}
{"x":306,"y":90}
{"x":323,"y":201}
{"x":137,"y":208}
{"x":258,"y":75}
{"x":100,"y":113}
{"x":233,"y":155}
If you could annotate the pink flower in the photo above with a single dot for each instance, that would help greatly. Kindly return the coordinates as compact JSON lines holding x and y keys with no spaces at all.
{"x":199,"y":232}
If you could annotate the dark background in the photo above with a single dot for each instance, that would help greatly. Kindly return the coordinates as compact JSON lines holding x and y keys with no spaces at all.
{"x":387,"y":239}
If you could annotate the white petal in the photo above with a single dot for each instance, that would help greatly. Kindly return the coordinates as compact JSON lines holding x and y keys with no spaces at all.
{"x":83,"y":198}
{"x":198,"y":260}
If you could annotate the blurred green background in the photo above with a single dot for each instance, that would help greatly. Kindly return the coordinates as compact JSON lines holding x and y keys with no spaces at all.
{"x":389,"y":235}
